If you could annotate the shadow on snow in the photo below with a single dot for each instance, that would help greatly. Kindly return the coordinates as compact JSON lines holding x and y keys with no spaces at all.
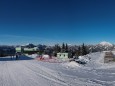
{"x":9,"y":58}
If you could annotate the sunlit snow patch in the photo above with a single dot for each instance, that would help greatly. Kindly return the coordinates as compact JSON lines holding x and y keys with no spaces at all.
{"x":72,"y":64}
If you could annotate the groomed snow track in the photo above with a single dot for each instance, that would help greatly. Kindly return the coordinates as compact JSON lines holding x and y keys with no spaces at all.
{"x":36,"y":73}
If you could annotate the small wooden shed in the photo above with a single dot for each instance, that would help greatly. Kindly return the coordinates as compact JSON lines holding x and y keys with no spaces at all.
{"x":109,"y":56}
{"x":62,"y":55}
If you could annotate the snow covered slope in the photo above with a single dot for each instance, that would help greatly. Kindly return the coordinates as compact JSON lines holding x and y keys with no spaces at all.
{"x":36,"y":73}
{"x":104,"y":43}
{"x":103,"y":46}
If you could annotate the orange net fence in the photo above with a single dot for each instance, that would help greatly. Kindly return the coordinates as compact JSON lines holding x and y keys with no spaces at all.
{"x":51,"y":59}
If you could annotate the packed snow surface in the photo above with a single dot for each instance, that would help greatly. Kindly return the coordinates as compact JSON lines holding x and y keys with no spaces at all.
{"x":30,"y":72}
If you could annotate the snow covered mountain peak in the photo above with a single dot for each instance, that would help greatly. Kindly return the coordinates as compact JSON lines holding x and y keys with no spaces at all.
{"x":104,"y":43}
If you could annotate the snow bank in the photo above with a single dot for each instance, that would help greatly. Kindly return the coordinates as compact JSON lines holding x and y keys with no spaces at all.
{"x":84,"y":58}
{"x":32,"y":56}
{"x":72,"y":64}
{"x":46,"y":56}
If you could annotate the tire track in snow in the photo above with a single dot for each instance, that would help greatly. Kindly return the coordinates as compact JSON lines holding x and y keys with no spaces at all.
{"x":24,"y":76}
{"x":5,"y":76}
{"x":50,"y":74}
{"x":41,"y":71}
{"x":1,"y":73}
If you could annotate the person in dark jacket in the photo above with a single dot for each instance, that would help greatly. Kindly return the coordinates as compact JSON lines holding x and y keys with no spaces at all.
{"x":17,"y":56}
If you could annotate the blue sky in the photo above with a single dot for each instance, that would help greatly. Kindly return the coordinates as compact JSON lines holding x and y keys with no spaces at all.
{"x":57,"y":21}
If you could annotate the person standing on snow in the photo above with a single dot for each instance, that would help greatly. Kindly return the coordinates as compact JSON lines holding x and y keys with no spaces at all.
{"x":17,"y":56}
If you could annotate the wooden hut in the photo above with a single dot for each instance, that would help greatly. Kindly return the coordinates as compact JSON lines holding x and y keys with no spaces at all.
{"x":109,"y":56}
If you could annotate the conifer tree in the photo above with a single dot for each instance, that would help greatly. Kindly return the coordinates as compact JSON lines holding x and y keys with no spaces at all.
{"x":59,"y":48}
{"x":63,"y":47}
{"x":66,"y":47}
{"x":79,"y":51}
{"x":84,"y":50}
